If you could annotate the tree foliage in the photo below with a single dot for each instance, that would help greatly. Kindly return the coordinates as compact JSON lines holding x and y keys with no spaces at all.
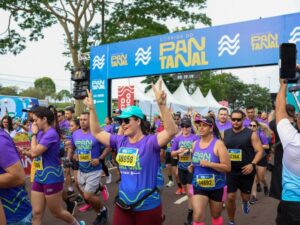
{"x":32,"y":92}
{"x":46,"y":85}
{"x":9,"y":90}
{"x":62,"y":94}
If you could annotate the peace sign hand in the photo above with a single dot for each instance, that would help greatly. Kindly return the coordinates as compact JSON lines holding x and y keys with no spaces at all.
{"x":88,"y":101}
{"x":160,"y":95}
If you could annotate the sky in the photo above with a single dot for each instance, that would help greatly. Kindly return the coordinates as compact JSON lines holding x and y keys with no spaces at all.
{"x":44,"y":58}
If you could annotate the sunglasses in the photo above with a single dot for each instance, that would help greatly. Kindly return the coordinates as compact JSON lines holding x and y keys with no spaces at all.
{"x":125,"y":120}
{"x":236,"y":119}
{"x":252,"y":125}
{"x":185,"y":126}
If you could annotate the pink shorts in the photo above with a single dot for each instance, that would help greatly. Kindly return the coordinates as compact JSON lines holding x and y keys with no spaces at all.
{"x":47,"y":189}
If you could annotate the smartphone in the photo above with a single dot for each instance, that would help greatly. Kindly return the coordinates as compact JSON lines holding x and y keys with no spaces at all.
{"x":287,"y":62}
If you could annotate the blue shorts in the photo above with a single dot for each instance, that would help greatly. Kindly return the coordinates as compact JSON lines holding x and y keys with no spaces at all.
{"x":26,"y":221}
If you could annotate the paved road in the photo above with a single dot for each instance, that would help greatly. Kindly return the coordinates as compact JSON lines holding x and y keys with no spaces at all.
{"x":263,"y":213}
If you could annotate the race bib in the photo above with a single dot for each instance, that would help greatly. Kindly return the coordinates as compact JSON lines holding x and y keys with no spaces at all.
{"x":85,"y":157}
{"x":38,"y":163}
{"x":206,"y":181}
{"x":185,"y":158}
{"x":127,"y":156}
{"x":235,"y":155}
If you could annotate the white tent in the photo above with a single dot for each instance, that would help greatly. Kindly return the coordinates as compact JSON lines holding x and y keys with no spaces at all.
{"x":212,"y":102}
{"x":185,"y":98}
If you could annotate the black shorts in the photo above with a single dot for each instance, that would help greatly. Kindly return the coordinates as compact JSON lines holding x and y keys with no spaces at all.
{"x":215,"y":195}
{"x":168,"y":158}
{"x":263,"y":162}
{"x":288,"y":213}
{"x":174,"y":162}
{"x":238,"y":181}
{"x":185,"y":177}
{"x":70,"y":164}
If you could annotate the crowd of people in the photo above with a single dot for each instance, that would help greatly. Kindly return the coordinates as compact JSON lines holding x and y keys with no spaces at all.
{"x":208,"y":157}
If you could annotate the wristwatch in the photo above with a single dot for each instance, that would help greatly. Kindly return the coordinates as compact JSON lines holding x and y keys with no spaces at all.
{"x":253,"y":164}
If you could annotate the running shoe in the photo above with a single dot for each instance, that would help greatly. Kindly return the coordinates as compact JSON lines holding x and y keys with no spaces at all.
{"x":253,"y":200}
{"x":170,"y":184}
{"x":258,"y":187}
{"x":108,"y":179}
{"x":183,"y":191}
{"x":246,"y":207}
{"x":71,"y":206}
{"x":230,"y":223}
{"x":79,"y":199}
{"x":104,"y":193}
{"x":81,"y":222}
{"x":179,"y":191}
{"x":85,"y":208}
{"x":266,"y":190}
{"x":101,"y":218}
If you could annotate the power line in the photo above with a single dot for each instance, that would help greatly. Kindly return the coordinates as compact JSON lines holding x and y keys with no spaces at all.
{"x":15,"y":75}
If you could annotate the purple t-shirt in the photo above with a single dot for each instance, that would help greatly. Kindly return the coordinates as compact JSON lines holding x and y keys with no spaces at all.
{"x":224,"y":126}
{"x":64,"y":127}
{"x":139,"y":164}
{"x":109,"y":128}
{"x":15,"y":200}
{"x":87,"y":148}
{"x":184,"y":142}
{"x":48,"y":166}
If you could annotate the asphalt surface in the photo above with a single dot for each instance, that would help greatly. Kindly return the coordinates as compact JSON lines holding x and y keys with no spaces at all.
{"x":262,"y":213}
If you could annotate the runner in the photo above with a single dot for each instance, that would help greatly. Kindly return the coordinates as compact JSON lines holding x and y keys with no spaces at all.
{"x":245,"y":152}
{"x":181,"y":148}
{"x":88,"y":151}
{"x":261,"y":167}
{"x":223,"y":122}
{"x":7,"y":125}
{"x":210,"y":162}
{"x":250,"y":111}
{"x":48,"y":180}
{"x":13,"y":195}
{"x":138,"y":201}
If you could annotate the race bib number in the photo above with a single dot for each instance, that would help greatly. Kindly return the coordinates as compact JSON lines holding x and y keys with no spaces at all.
{"x":235,"y":155}
{"x":127,"y":156}
{"x":85,"y":157}
{"x":185,"y":158}
{"x":206,"y":181}
{"x":38,"y":163}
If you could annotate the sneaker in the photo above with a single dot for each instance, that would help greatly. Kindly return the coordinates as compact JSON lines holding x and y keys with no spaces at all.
{"x":230,"y":223}
{"x":179,"y":191}
{"x":266,"y":190}
{"x":183,"y":191}
{"x":246,"y":207}
{"x":70,"y":193}
{"x":101,"y":218}
{"x":104,"y":193}
{"x":258,"y":187}
{"x":170,"y":184}
{"x":253,"y":200}
{"x":81,"y":222}
{"x":85,"y":208}
{"x":71,"y":207}
{"x":108,"y":179}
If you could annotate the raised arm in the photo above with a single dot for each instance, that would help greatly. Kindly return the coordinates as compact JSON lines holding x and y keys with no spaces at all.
{"x":100,"y":134}
{"x":170,"y":130}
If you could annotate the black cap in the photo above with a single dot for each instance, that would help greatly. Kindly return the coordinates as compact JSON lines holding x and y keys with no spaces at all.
{"x":186,"y":121}
{"x":30,"y":108}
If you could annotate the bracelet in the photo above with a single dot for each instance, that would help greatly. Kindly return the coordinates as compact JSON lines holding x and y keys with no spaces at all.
{"x":33,"y":134}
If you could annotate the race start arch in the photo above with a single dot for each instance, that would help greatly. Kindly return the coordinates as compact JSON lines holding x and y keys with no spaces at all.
{"x":244,"y":44}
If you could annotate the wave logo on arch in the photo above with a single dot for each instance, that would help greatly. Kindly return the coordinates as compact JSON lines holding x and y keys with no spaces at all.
{"x":143,"y":56}
{"x":226,"y":44}
{"x":295,"y":35}
{"x":98,"y":62}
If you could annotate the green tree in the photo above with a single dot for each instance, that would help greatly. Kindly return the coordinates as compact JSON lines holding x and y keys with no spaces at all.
{"x":46,"y":85}
{"x":9,"y":90}
{"x":80,"y":22}
{"x":63,"y":94}
{"x":258,"y":97}
{"x":32,"y":92}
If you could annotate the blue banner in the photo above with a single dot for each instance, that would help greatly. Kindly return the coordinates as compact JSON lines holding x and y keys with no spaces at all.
{"x":251,"y":43}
